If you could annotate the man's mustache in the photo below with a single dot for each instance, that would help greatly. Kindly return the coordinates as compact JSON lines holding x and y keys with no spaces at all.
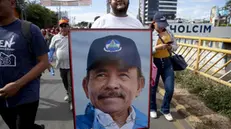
{"x":112,"y":94}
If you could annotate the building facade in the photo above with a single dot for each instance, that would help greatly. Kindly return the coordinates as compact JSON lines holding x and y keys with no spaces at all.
{"x":147,"y":8}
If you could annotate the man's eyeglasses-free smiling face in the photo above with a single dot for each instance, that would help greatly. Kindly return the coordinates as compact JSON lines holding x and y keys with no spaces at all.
{"x":112,"y":89}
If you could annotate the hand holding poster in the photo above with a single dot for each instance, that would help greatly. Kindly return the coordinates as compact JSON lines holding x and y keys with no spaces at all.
{"x":111,"y":78}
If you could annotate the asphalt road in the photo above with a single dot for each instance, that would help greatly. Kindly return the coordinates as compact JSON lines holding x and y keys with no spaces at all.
{"x":54,"y":111}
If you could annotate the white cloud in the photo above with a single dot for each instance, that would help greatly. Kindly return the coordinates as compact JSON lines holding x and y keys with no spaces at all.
{"x":193,"y":1}
{"x":181,"y":1}
{"x":72,"y":9}
{"x":76,"y":17}
{"x":68,"y":9}
{"x":201,"y":1}
{"x":89,"y":16}
{"x":196,"y":12}
{"x":195,"y":9}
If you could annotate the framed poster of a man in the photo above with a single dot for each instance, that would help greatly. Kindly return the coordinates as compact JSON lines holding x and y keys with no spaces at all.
{"x":111,"y":78}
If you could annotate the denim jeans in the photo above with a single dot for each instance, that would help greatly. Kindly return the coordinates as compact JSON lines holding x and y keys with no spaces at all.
{"x":166,"y":72}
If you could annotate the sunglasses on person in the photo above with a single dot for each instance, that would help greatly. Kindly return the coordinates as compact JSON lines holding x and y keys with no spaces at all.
{"x":64,"y":25}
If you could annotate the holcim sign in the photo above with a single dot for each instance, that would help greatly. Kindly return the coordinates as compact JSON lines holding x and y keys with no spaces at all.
{"x":191,"y":28}
{"x":203,"y":30}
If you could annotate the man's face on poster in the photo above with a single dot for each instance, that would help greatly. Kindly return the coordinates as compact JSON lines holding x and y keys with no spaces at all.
{"x":111,"y":88}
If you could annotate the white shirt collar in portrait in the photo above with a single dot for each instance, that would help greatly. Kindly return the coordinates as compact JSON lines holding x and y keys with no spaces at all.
{"x":106,"y":120}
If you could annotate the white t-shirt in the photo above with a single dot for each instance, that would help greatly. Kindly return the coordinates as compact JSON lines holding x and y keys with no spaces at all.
{"x":111,"y":21}
{"x":61,"y":46}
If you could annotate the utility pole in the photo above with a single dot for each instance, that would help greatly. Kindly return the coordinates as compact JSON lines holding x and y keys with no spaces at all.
{"x":108,"y":6}
{"x":19,"y":9}
{"x":60,"y":15}
{"x":59,"y":11}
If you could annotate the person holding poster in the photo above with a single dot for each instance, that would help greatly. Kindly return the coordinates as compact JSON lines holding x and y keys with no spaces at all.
{"x":113,"y":80}
{"x":164,"y":42}
{"x":118,"y":18}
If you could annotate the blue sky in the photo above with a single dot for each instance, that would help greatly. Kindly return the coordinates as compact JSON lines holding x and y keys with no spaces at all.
{"x":189,"y":9}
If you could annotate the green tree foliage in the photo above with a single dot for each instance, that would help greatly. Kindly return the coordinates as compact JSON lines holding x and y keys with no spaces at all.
{"x":215,"y":95}
{"x":82,"y":24}
{"x":41,"y":16}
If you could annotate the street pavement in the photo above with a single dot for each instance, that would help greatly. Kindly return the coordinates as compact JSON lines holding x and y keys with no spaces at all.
{"x":54,"y":112}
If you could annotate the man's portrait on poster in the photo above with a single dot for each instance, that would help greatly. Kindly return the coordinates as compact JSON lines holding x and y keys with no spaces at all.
{"x":114,"y":78}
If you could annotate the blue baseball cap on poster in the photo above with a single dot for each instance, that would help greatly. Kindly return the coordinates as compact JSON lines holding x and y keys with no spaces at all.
{"x":114,"y":47}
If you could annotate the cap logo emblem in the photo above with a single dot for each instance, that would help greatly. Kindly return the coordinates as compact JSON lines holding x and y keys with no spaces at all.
{"x":112,"y":46}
